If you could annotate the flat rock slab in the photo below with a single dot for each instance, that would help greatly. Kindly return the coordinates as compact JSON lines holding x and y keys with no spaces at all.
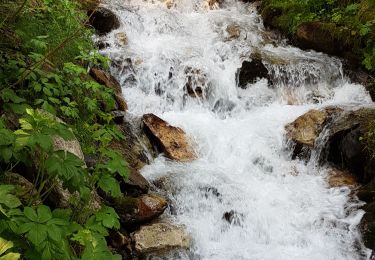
{"x":171,"y":140}
{"x":160,"y":237}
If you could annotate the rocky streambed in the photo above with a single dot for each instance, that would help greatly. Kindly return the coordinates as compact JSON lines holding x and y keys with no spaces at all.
{"x":239,"y":145}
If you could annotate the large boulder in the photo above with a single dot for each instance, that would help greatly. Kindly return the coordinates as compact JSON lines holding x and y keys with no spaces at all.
{"x":133,"y":211}
{"x":103,"y":20}
{"x":169,"y":139}
{"x":251,"y":71}
{"x":159,"y":237}
{"x":344,"y":147}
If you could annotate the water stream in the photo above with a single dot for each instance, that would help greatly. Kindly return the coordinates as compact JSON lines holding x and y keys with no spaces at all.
{"x":279,"y":208}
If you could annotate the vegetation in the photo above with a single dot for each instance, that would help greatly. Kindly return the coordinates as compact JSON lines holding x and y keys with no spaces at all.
{"x":46,"y":93}
{"x":350,"y":21}
{"x":369,"y":139}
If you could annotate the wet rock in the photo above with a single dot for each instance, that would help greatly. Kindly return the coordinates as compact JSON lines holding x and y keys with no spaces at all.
{"x":160,"y":237}
{"x":121,"y":39}
{"x":169,"y":139}
{"x":166,"y":184}
{"x":233,"y":217}
{"x":234,"y":31}
{"x":361,"y":77}
{"x":140,"y":210}
{"x":197,"y":82}
{"x":368,"y":225}
{"x":103,"y":20}
{"x":24,"y":188}
{"x":344,"y":147}
{"x":213,"y":4}
{"x":119,"y":239}
{"x":102,"y":45}
{"x":250,"y":72}
{"x":210,"y":191}
{"x":337,"y":178}
{"x":224,"y":105}
{"x":306,"y":128}
{"x":106,"y":79}
{"x":135,"y":154}
{"x":118,"y":116}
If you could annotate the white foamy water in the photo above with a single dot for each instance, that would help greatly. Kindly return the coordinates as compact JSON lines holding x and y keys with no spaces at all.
{"x":283,"y":208}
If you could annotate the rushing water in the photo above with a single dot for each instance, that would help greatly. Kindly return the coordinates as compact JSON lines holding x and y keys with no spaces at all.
{"x":282,"y":208}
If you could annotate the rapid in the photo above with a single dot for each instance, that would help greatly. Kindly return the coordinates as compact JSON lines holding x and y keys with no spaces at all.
{"x":278,"y":208}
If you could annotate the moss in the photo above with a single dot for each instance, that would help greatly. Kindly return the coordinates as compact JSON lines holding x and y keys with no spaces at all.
{"x":347,"y":26}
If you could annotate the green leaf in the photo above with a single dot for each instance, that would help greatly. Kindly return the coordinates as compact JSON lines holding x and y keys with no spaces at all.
{"x":44,"y":213}
{"x":110,"y":185}
{"x":9,"y":95}
{"x":6,"y":137}
{"x":8,"y":199}
{"x":30,"y":213}
{"x":38,"y":234}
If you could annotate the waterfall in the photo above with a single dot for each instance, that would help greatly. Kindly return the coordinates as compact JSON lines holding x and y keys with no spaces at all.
{"x":244,"y":197}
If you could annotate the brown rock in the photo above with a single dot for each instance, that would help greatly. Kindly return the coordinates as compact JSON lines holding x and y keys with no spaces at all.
{"x":106,"y":79}
{"x":121,"y":39}
{"x":339,"y":178}
{"x":139,"y":210}
{"x":306,"y":128}
{"x":171,"y":140}
{"x":121,"y":103}
{"x":160,"y":237}
{"x":234,"y":31}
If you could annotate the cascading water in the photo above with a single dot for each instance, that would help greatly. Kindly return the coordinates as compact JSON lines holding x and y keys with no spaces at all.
{"x":278,"y":208}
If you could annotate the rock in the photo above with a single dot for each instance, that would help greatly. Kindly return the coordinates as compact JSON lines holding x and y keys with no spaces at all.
{"x":233,"y":217}
{"x":133,"y":149}
{"x":121,"y":103}
{"x":140,"y":210}
{"x":197,"y":82}
{"x":361,"y":77}
{"x":121,"y":39}
{"x":344,"y":148}
{"x":118,"y":117}
{"x":169,"y":139}
{"x":212,"y":4}
{"x":72,"y":146}
{"x":250,"y":72}
{"x":24,"y":188}
{"x":106,"y":79}
{"x":368,"y":225}
{"x":234,"y":31}
{"x":103,"y":20}
{"x":306,"y":128}
{"x":159,"y":237}
{"x":339,"y":178}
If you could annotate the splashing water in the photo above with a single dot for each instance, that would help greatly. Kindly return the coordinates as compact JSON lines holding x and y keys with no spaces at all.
{"x":278,"y":208}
